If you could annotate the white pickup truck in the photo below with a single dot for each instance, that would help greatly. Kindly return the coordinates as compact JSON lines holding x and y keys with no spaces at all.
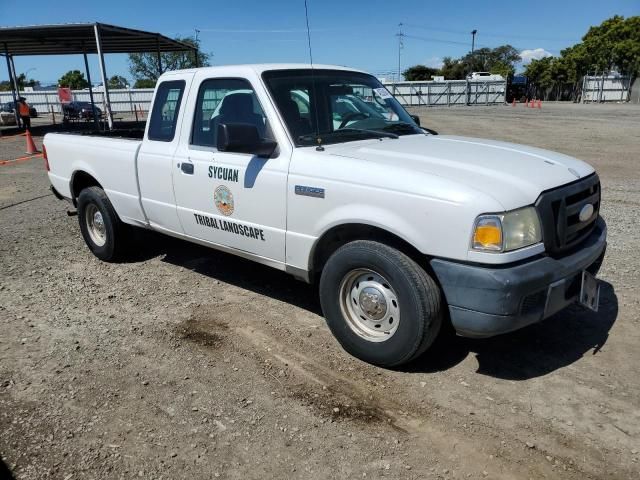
{"x":321,"y":173}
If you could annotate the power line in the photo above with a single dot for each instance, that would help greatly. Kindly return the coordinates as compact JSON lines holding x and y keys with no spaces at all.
{"x":436,"y":40}
{"x":492,"y":35}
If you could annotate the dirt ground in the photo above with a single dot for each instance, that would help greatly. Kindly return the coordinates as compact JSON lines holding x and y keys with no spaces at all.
{"x":188,"y":363}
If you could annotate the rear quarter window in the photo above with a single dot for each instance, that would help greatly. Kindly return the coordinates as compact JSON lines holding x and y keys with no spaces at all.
{"x":166,"y":107}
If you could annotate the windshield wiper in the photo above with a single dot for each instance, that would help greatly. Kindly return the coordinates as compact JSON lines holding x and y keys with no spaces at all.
{"x":401,"y":127}
{"x":348,"y":132}
{"x":379,"y":133}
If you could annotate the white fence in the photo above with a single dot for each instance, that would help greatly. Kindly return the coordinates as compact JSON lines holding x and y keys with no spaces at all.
{"x":605,"y":88}
{"x":448,"y":92}
{"x":122,"y":100}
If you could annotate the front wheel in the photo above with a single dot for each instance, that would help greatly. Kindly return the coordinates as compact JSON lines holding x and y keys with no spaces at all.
{"x":380,"y":305}
{"x":102,"y":230}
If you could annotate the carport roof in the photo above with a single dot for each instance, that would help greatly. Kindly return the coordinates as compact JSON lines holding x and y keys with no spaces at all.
{"x":77,"y":38}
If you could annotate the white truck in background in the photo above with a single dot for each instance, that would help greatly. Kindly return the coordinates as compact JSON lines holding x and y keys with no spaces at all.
{"x":485,"y":77}
{"x":321,"y":173}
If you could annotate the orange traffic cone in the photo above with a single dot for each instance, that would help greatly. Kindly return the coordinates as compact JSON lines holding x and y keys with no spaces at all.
{"x":532,"y":103}
{"x":31,"y":147}
{"x":513,"y":103}
{"x":539,"y":103}
{"x":526,"y":103}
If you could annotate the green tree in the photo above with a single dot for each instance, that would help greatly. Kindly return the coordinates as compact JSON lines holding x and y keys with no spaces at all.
{"x":453,"y":69}
{"x":117,"y":81}
{"x":73,"y":79}
{"x":5,"y":85}
{"x":615,"y":43}
{"x":419,"y":72}
{"x":144,"y":83}
{"x":145,"y":65}
{"x":612,"y":45}
{"x":500,"y":60}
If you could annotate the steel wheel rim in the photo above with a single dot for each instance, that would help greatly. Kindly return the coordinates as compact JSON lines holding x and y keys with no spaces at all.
{"x":369,"y":305}
{"x":95,"y":225}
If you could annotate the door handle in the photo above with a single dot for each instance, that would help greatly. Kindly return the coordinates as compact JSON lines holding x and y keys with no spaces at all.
{"x":187,"y":168}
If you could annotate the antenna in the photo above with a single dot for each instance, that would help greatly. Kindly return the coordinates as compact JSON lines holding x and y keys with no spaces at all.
{"x":319,"y":148}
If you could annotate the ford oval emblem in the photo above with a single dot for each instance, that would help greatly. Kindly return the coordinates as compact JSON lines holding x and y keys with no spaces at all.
{"x":585,"y":212}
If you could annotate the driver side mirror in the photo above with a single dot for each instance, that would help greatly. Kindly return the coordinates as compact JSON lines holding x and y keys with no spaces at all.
{"x":416,"y":119}
{"x":243,"y":138}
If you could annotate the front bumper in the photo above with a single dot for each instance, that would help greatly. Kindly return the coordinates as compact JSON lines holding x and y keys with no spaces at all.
{"x":487,"y":301}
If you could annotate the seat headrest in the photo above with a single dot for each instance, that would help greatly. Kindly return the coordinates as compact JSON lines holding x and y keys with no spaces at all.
{"x":237,"y":103}
{"x":290,"y":110}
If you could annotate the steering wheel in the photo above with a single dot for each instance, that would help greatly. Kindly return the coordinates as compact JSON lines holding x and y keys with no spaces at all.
{"x":352,"y":116}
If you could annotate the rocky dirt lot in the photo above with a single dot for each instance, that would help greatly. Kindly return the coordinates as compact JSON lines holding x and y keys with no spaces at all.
{"x":188,"y":363}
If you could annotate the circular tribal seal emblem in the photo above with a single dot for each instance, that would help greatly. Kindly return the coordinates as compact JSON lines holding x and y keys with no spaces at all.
{"x":223,"y":199}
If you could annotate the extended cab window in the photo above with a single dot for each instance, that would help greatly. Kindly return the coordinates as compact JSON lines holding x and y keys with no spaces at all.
{"x":225,"y":100}
{"x":166,"y":107}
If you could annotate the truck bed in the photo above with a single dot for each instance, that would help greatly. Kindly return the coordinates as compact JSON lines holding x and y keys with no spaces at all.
{"x":107,"y":156}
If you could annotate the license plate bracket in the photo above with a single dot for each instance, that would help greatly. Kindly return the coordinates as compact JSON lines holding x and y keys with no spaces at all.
{"x":589,"y":291}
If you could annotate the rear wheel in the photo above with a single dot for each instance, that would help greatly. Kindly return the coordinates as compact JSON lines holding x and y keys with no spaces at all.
{"x":380,"y":304}
{"x":102,"y":230}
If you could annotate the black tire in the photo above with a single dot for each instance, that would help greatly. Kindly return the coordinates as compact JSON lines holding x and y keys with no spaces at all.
{"x":116,"y":233}
{"x":418,"y":295}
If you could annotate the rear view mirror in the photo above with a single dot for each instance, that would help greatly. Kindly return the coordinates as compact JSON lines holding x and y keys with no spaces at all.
{"x":243,"y":138}
{"x":340,"y":90}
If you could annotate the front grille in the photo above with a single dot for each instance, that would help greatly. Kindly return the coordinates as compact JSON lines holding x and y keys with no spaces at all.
{"x":559,"y":211}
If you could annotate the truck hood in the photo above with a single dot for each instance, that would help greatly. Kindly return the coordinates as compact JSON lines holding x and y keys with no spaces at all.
{"x":514,"y":175}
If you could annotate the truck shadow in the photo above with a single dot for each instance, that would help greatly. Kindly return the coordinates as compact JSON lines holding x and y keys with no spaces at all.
{"x":534,"y":351}
{"x":230,"y":269}
{"x":531,"y":352}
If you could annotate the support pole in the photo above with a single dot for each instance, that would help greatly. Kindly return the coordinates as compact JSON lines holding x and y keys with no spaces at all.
{"x":15,"y":76}
{"x":103,"y":73}
{"x":13,"y":86}
{"x":93,"y":105}
{"x":197,"y":62}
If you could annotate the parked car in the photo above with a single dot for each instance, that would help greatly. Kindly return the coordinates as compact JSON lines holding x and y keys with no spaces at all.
{"x":7,"y":118}
{"x":79,"y":110}
{"x":404,"y":231}
{"x":9,"y":107}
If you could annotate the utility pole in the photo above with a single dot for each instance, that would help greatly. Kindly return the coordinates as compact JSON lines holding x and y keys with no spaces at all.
{"x":473,"y":40}
{"x":400,"y":36}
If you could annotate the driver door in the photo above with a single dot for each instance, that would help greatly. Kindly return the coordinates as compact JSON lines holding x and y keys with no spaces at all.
{"x":236,"y":200}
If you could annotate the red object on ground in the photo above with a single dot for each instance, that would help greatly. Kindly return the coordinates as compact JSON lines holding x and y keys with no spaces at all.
{"x":31,"y":146}
{"x":526,"y":102}
{"x":513,"y":104}
{"x":539,"y":103}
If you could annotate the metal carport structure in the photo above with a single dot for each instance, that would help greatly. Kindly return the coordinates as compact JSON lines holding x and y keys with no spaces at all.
{"x":83,"y":38}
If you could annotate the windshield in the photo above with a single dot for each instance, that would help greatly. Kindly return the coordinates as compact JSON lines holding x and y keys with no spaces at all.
{"x":333,"y":106}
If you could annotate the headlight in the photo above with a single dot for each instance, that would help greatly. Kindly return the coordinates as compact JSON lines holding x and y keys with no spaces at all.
{"x":508,"y":231}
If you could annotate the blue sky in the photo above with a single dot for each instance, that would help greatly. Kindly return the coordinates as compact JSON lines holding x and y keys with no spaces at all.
{"x":359,"y":34}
